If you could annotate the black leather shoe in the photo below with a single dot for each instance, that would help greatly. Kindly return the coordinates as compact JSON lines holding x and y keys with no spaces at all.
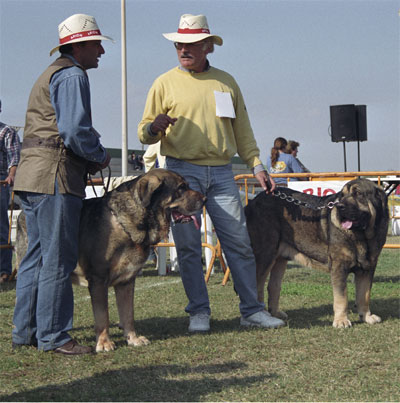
{"x":73,"y":348}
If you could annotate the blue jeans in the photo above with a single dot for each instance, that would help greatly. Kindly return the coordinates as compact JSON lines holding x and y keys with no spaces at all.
{"x":44,"y":304}
{"x":226,"y":212}
{"x":5,"y":254}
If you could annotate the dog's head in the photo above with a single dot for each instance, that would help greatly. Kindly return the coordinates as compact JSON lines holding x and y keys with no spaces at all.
{"x":362,"y":204}
{"x":161,"y":188}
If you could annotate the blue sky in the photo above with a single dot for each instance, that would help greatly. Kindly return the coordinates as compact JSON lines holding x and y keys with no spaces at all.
{"x":292,"y":60}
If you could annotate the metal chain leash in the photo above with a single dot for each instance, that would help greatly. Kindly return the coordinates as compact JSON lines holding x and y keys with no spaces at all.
{"x":297,"y":202}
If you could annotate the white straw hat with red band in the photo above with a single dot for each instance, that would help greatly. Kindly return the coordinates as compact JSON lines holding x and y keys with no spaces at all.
{"x":193,"y":28}
{"x":79,"y":28}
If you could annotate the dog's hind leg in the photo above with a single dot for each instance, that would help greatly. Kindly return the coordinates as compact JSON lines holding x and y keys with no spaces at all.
{"x":263,"y":268}
{"x":274,"y":287}
{"x":363,"y":280}
{"x":124,"y":294}
{"x":99,"y":294}
{"x":262,"y":274}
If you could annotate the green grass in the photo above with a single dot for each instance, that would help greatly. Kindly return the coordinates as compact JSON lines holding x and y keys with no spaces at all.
{"x":308,"y":360}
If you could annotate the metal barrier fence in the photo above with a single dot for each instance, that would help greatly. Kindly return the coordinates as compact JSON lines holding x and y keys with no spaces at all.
{"x":249,"y":184}
{"x":391,"y":178}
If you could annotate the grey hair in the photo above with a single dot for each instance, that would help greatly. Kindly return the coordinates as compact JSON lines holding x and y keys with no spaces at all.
{"x":209,"y":45}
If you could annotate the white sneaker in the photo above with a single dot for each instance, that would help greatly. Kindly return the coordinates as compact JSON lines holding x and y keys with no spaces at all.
{"x":199,"y":322}
{"x":262,"y":319}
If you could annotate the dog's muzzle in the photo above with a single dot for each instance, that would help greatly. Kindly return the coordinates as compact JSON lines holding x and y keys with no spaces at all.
{"x":179,"y":218}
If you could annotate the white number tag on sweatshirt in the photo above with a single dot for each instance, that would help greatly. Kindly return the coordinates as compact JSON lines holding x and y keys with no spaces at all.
{"x":224,"y":105}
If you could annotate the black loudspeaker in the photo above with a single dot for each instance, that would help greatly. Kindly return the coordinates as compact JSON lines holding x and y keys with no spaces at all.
{"x":361,"y":113}
{"x":348,"y":122}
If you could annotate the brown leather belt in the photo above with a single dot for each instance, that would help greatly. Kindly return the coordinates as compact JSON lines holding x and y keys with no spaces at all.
{"x":49,"y":143}
{"x":42,"y":142}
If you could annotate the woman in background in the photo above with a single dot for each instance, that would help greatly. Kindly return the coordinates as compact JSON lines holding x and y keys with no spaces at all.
{"x":279,"y":162}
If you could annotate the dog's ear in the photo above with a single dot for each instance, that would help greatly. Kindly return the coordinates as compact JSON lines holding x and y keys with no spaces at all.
{"x":380,"y":202}
{"x":381,"y":198}
{"x":147,"y":185}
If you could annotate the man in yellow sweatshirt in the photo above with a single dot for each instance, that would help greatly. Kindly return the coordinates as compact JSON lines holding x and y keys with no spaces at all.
{"x":198,"y":113}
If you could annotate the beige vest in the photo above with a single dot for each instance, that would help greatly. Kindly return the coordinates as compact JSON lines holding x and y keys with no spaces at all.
{"x":43,"y":155}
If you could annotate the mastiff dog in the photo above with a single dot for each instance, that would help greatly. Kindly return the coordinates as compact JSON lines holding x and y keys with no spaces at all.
{"x":341,"y":233}
{"x":116,"y":233}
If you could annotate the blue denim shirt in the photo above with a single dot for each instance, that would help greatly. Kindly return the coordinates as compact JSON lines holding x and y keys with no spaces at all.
{"x":70,"y":97}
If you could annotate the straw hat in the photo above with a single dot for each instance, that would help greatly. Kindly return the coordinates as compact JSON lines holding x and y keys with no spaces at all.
{"x":193,"y":28}
{"x":79,"y":28}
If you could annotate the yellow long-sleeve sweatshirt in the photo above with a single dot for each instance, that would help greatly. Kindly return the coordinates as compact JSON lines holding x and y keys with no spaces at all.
{"x":199,"y":136}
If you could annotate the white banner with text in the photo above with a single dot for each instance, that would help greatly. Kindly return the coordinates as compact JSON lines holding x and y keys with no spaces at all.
{"x":317,"y":188}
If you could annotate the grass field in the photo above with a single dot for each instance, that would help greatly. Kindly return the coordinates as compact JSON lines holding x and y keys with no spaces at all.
{"x":308,"y":360}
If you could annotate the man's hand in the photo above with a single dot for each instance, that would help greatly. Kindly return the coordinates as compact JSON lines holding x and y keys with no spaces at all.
{"x":94,"y":167}
{"x":161,"y":123}
{"x":106,"y":162}
{"x":266,"y":182}
{"x":11,"y":176}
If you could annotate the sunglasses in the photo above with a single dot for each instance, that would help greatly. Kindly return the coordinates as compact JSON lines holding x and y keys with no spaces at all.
{"x":179,"y":45}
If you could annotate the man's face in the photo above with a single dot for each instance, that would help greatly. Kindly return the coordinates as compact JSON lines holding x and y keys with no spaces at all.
{"x":88,"y":53}
{"x":192,"y":56}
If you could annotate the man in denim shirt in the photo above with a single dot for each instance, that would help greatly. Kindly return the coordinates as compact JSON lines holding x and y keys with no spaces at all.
{"x":60,"y":147}
{"x":9,"y":158}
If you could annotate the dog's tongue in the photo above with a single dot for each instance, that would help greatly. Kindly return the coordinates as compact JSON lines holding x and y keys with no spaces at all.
{"x":196,"y":222}
{"x":347,"y":224}
{"x":185,"y":219}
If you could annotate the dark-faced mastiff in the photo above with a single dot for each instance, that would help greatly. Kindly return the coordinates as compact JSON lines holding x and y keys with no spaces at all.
{"x":341,"y":233}
{"x":116,"y":233}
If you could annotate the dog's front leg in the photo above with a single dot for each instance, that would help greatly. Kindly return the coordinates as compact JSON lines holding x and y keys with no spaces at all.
{"x":99,"y":295}
{"x":340,"y":303}
{"x":363,"y":280}
{"x":124,"y":294}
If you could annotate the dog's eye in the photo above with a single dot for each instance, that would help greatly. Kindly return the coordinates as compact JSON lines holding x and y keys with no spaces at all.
{"x":182,"y":188}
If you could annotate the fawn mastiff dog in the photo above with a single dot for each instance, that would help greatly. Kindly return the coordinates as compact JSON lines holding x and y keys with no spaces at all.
{"x":341,"y":233}
{"x":116,"y":232}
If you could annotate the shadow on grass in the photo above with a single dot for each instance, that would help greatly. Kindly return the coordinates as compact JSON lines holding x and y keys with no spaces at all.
{"x":162,"y":328}
{"x":386,"y":279}
{"x":304,"y":318}
{"x":10,"y":285}
{"x":148,"y":383}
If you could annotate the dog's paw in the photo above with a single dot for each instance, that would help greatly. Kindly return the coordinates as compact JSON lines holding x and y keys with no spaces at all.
{"x":278,"y":314}
{"x":281,"y":315}
{"x":371,"y":319}
{"x":137,"y":341}
{"x":105,"y":345}
{"x":341,"y":323}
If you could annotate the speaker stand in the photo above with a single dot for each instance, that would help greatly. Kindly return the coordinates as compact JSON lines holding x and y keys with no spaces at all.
{"x":358,"y":153}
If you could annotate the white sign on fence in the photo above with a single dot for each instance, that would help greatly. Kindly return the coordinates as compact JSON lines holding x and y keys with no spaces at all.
{"x":317,"y":188}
